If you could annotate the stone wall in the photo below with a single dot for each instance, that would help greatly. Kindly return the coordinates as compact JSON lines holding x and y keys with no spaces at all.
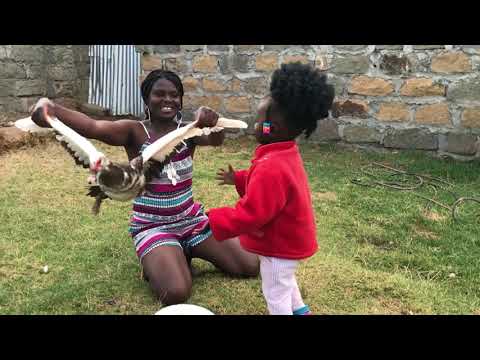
{"x":28,"y":72}
{"x":423,"y":97}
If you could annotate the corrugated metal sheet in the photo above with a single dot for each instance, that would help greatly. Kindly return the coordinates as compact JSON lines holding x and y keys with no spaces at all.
{"x":114,"y":79}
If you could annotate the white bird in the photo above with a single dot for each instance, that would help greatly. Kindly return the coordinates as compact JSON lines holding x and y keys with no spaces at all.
{"x":120,"y":181}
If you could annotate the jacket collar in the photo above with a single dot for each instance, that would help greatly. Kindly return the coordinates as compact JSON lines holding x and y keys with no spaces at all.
{"x":262,"y":151}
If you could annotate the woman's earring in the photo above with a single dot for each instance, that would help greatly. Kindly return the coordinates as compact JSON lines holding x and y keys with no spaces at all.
{"x":178,"y":117}
{"x":148,"y":113}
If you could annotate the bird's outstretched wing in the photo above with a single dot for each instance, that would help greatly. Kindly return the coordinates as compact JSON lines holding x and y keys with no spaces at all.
{"x":163,"y":147}
{"x":28,"y":125}
{"x":81,"y":149}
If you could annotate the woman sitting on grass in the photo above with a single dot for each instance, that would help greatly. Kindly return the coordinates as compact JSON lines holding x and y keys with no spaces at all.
{"x":167,"y":226}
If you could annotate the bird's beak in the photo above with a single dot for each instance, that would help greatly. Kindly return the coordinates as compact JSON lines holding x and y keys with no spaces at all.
{"x":92,"y":180}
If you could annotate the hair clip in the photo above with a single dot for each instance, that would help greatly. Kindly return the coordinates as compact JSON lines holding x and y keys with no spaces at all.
{"x":266,"y":127}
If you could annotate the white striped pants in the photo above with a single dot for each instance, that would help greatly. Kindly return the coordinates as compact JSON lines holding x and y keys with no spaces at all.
{"x":279,"y":285}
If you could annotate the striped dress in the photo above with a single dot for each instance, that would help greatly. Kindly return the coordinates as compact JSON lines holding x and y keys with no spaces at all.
{"x":166,"y":213}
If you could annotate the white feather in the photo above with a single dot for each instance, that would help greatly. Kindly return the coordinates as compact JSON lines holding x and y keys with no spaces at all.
{"x":28,"y":125}
{"x":164,"y":146}
{"x":83,"y":149}
{"x":230,"y":123}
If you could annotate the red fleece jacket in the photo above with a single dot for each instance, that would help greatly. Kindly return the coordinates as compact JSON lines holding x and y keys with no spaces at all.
{"x":274,"y":216}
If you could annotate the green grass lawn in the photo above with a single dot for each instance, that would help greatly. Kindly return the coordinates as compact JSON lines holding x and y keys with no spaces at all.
{"x":382,"y":251}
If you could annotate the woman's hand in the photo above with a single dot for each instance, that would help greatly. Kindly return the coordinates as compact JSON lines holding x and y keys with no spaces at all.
{"x":206,"y":117}
{"x":36,"y":112}
{"x":226,"y":177}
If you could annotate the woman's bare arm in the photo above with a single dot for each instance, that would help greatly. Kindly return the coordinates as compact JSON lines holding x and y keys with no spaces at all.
{"x":117,"y":133}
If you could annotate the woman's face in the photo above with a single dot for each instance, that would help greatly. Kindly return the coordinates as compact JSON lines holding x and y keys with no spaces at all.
{"x":165,"y":100}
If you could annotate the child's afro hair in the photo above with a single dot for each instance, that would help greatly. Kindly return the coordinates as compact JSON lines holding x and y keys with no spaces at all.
{"x":303,"y":96}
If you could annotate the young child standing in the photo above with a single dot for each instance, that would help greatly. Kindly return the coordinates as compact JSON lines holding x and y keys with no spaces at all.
{"x":274,"y":217}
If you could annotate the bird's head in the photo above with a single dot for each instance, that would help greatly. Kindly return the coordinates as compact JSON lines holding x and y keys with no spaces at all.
{"x":112,"y":175}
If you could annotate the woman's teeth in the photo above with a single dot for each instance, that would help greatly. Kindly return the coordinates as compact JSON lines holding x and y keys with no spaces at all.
{"x":167,"y":108}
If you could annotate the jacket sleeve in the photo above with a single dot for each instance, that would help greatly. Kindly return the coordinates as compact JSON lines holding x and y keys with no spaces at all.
{"x":265,"y":197}
{"x":241,"y":181}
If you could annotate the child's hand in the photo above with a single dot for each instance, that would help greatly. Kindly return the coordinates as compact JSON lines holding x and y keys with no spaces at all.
{"x":226,"y":177}
{"x":206,"y":117}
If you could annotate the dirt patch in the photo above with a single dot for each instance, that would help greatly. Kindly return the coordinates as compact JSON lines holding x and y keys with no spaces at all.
{"x":377,"y":241}
{"x":426,"y":234}
{"x":29,"y":142}
{"x":12,"y":138}
{"x":324,"y":196}
{"x":433,"y":216}
{"x":391,"y":307}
